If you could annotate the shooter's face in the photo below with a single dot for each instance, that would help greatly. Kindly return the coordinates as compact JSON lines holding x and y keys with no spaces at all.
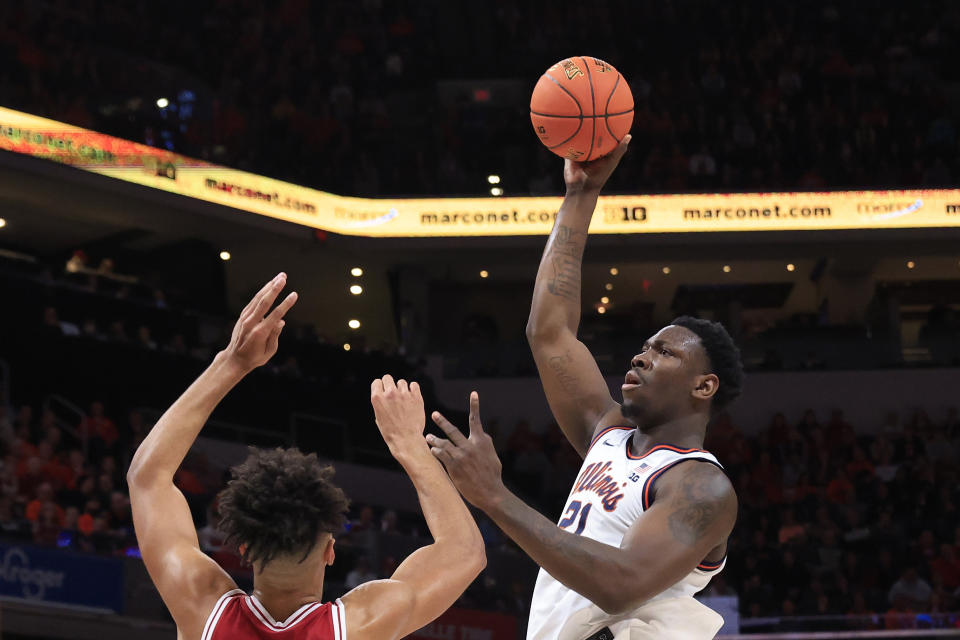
{"x":663,"y":376}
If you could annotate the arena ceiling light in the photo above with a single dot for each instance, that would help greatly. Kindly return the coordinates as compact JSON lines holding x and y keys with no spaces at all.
{"x":163,"y":103}
{"x":614,"y":271}
{"x":3,"y":223}
{"x":791,"y":267}
{"x":225,"y":255}
{"x":727,"y":268}
{"x":356,"y":289}
{"x":496,"y":191}
{"x":666,"y":271}
{"x":354,"y":324}
{"x":484,"y":273}
{"x":605,"y":300}
{"x":608,"y":286}
{"x":346,"y":346}
{"x":356,"y":272}
{"x":493,"y":179}
{"x":911,"y":264}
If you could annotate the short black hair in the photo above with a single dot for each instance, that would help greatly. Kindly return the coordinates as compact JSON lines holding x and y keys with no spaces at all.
{"x":724,"y":357}
{"x":279,"y":502}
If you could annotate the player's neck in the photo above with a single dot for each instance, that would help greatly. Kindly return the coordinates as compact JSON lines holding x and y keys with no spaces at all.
{"x":687,"y":432}
{"x":283,"y":593}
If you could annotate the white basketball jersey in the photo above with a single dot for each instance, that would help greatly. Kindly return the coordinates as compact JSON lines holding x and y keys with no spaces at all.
{"x":612,"y":491}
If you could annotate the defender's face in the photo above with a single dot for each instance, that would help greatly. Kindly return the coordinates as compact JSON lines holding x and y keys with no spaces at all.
{"x":663,"y":374}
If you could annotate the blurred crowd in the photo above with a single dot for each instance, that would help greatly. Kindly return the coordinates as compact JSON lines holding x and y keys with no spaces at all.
{"x":835,"y":520}
{"x":843,"y":519}
{"x":388,"y":98}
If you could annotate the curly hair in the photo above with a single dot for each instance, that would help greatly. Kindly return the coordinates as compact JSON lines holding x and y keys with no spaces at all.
{"x":278,"y":502}
{"x":724,"y":358}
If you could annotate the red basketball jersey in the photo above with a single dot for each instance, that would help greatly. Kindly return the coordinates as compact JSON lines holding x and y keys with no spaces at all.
{"x":238,"y":616}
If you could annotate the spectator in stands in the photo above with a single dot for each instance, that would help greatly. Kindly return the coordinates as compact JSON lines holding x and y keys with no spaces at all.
{"x":360,"y":573}
{"x":69,"y":534}
{"x":946,"y":567}
{"x":388,"y":522}
{"x":52,"y":327}
{"x":44,"y":499}
{"x":840,"y":491}
{"x":47,"y":525}
{"x":100,"y":431}
{"x":9,"y":482}
{"x":789,"y":527}
{"x":119,"y":521}
{"x":30,"y":475}
{"x":144,"y":338}
{"x":6,"y":429}
{"x":910,"y":591}
{"x":211,"y":538}
{"x":366,"y":520}
{"x":13,"y":526}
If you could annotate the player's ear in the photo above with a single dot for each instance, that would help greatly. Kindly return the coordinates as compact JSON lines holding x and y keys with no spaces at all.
{"x":329,"y":555}
{"x":706,"y":386}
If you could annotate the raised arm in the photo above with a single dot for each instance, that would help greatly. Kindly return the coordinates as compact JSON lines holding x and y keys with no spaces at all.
{"x":693,"y":512}
{"x":575,"y":388}
{"x":433,"y":577}
{"x":188,"y":580}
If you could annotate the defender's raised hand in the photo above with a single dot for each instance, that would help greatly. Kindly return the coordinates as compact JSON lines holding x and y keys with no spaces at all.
{"x":255,"y":336}
{"x":399,"y":411}
{"x":472,"y":463}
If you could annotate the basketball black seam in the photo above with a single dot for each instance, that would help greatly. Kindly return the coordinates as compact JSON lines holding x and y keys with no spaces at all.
{"x":609,"y":115}
{"x":606,"y":109}
{"x":593,"y":103}
{"x":576,"y":102}
{"x":565,"y":90}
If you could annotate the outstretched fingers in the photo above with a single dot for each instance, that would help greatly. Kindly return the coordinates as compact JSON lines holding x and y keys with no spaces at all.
{"x":268,"y":296}
{"x":476,"y":428}
{"x":451,"y":431}
{"x":441,"y":449}
{"x":273,"y":340}
{"x":277,"y":314}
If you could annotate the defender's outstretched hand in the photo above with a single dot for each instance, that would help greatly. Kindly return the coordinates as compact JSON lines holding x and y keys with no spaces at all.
{"x":591,"y":176}
{"x":472,"y":463}
{"x":255,"y":336}
{"x":399,"y":411}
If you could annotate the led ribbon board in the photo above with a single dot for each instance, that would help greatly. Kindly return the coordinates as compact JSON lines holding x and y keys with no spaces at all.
{"x":491,"y":216}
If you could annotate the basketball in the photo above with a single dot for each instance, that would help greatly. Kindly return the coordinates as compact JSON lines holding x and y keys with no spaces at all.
{"x":581,"y":108}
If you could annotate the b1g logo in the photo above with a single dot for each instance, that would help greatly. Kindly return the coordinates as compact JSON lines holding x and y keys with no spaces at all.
{"x":160,"y":168}
{"x":614,"y":215}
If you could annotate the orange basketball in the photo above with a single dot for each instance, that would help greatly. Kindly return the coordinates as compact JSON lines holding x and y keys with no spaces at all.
{"x":581,"y":108}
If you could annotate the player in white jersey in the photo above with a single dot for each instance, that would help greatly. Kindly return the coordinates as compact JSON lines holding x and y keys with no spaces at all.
{"x":647,"y":520}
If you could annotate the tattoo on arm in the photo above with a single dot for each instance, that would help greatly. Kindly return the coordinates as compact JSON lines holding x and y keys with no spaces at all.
{"x":566,"y":257}
{"x":559,"y":365}
{"x":696,"y":506}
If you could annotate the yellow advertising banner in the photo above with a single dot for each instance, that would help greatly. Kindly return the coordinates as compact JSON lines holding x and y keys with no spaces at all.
{"x":489,"y":216}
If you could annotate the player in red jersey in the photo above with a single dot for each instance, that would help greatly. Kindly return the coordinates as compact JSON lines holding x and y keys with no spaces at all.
{"x":282,"y":511}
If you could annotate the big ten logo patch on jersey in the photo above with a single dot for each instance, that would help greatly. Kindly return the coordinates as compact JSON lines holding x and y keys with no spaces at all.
{"x":635,"y":474}
{"x":596,"y":478}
